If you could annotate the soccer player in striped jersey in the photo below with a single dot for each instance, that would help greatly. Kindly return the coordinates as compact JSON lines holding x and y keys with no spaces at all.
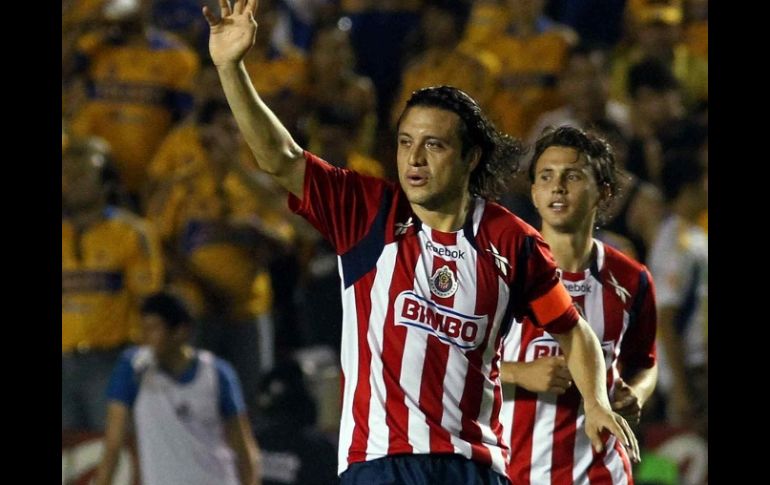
{"x":431,"y":270}
{"x":573,"y":175}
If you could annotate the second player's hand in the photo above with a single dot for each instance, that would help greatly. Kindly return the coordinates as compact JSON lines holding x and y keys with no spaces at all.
{"x":599,"y":420}
{"x":626,"y":403}
{"x":546,"y":374}
{"x":233,"y":32}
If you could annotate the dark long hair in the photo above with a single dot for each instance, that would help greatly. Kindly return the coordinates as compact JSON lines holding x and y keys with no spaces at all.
{"x":500,"y":153}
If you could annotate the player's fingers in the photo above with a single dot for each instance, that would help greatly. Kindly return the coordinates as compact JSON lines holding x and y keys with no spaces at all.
{"x":558,"y":389}
{"x":252,"y":6}
{"x":238,"y":7}
{"x":632,"y":444}
{"x":561,"y":382}
{"x":621,"y":402}
{"x":563,"y":372}
{"x":224,"y":7}
{"x":210,"y":17}
{"x":596,"y":441}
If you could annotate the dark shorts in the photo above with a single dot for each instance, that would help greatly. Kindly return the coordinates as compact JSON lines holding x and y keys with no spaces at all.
{"x":421,"y":470}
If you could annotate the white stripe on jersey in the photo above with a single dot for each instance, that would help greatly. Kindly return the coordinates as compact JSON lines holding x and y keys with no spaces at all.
{"x":542,"y":438}
{"x":511,"y":348}
{"x":379,"y":433}
{"x":614,"y":463}
{"x":457,"y":364}
{"x":594,"y":309}
{"x":583,"y":454}
{"x":478,"y":211}
{"x":488,"y":398}
{"x":416,"y":343}
{"x":349,"y":361}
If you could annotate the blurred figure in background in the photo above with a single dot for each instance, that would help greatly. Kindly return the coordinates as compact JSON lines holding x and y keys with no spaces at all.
{"x":440,"y":60}
{"x":679,"y":262}
{"x":660,"y":122}
{"x":333,"y":82}
{"x":220,"y":238}
{"x":111,"y":258}
{"x":532,"y":52}
{"x":139,"y":82}
{"x":185,"y":404}
{"x":279,"y":72}
{"x":303,"y":455}
{"x":655,"y":31}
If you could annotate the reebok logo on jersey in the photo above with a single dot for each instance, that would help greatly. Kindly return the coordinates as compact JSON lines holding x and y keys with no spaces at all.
{"x":402,"y":227}
{"x":445,"y":252}
{"x":500,"y":261}
{"x":451,"y":327}
{"x":580,"y":288}
{"x":619,"y":290}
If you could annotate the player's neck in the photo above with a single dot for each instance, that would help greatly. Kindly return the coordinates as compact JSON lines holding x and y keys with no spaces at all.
{"x":449,"y":218}
{"x":177,"y":361}
{"x":571,"y":250}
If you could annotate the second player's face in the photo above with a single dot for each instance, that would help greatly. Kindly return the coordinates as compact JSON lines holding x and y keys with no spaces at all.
{"x":431,"y":168}
{"x":564,"y":191}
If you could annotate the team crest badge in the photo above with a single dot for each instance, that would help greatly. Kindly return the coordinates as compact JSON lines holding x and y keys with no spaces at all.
{"x":443,"y":283}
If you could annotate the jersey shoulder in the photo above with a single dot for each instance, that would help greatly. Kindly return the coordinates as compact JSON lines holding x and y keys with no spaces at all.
{"x":620,"y":269}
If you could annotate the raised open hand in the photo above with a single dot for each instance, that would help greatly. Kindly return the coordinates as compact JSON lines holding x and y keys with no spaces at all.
{"x":233,"y":33}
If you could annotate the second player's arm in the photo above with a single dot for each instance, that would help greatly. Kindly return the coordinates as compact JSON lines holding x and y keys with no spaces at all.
{"x":630,"y":396}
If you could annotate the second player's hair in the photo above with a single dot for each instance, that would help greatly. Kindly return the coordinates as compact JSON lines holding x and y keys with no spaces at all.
{"x":597,"y":151}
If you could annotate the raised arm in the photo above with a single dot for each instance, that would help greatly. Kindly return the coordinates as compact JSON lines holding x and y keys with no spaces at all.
{"x":586,"y":365}
{"x":232,"y":35}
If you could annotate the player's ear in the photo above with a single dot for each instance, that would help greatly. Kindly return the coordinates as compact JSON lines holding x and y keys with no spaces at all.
{"x":474,"y":157}
{"x":532,"y":194}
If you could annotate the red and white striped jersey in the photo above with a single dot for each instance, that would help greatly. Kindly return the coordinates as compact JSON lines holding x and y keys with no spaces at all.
{"x":546,"y":432}
{"x":422,"y":316}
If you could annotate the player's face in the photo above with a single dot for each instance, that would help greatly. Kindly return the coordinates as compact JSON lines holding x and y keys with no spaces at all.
{"x":565,"y":191}
{"x":431,"y":169}
{"x":158,"y":336}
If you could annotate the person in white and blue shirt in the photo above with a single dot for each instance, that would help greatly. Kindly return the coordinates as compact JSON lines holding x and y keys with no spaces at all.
{"x":187,"y":407}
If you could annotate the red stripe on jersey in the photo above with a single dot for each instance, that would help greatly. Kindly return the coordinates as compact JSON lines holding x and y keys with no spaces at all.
{"x":495,"y":424}
{"x":565,"y":424}
{"x":522,"y":433}
{"x":431,"y":395}
{"x":436,"y":357}
{"x":394,"y":339}
{"x":613,"y":320}
{"x":357,"y":451}
{"x":598,"y":474}
{"x":470,"y":404}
